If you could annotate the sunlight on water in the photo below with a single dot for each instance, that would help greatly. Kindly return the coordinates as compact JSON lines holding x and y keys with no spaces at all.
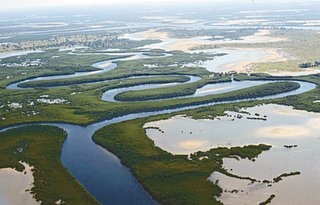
{"x":282,"y":125}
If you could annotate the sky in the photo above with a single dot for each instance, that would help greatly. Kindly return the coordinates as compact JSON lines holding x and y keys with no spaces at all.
{"x":11,"y":4}
{"x":48,"y":3}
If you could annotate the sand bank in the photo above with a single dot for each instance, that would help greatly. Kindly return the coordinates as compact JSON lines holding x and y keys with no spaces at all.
{"x":216,"y":89}
{"x":153,"y":34}
{"x":247,"y":65}
{"x":238,"y":22}
{"x":192,"y":144}
{"x":284,"y":131}
{"x":259,"y":37}
{"x":15,"y":186}
{"x":306,"y":71}
{"x":104,"y":65}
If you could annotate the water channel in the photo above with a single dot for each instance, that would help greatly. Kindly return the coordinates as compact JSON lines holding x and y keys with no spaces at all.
{"x":101,"y":172}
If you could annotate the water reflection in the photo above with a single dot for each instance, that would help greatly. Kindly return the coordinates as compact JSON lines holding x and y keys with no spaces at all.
{"x":282,"y":126}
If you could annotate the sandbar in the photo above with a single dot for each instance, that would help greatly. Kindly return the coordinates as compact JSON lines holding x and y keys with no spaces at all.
{"x":259,"y":37}
{"x":284,"y":132}
{"x":153,"y":34}
{"x":14,"y":186}
{"x":272,"y":56}
{"x":104,"y":65}
{"x":192,"y":143}
{"x":215,"y":89}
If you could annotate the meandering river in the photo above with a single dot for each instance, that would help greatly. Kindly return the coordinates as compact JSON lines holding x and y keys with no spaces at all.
{"x":101,"y":172}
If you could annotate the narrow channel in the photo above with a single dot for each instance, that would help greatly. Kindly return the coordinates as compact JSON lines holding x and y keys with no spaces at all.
{"x":101,"y":172}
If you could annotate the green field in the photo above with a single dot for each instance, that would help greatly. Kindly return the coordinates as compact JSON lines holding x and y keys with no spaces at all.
{"x":170,"y":179}
{"x":40,"y":147}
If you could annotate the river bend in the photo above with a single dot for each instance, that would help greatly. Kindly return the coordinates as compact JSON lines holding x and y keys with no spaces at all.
{"x":100,"y":171}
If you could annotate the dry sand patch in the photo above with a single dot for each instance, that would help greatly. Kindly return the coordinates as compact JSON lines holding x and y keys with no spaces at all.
{"x":192,"y":144}
{"x":259,"y":37}
{"x":284,"y":132}
{"x":13,"y":186}
{"x":153,"y":34}
{"x":215,"y":89}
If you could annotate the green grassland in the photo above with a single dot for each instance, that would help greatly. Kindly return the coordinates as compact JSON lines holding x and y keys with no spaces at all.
{"x":174,"y":179}
{"x":218,"y":33}
{"x":172,"y":91}
{"x":84,"y":106}
{"x":54,"y":63}
{"x":299,"y":46}
{"x":40,"y":147}
{"x":124,"y":69}
{"x":103,"y":39}
{"x":170,"y":179}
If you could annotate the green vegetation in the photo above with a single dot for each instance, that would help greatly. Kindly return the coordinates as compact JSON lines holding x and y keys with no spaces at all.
{"x":170,"y":179}
{"x":249,"y":152}
{"x":83,"y":104}
{"x":299,"y":46}
{"x":53,"y":62}
{"x":105,"y":39}
{"x":164,"y":65}
{"x":309,"y":65}
{"x":172,"y":91}
{"x":279,"y":178}
{"x":40,"y":147}
{"x":268,"y":201}
{"x":214,"y":34}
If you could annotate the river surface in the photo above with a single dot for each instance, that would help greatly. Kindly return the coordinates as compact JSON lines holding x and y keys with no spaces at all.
{"x":101,"y":172}
{"x":104,"y":65}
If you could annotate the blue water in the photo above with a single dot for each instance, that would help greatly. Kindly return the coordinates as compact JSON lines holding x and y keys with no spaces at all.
{"x":102,"y":173}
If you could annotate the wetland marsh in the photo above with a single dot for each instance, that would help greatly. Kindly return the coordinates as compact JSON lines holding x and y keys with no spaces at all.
{"x":145,"y":120}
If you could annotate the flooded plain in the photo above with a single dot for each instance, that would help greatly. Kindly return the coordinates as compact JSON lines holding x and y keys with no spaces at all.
{"x":274,"y":125}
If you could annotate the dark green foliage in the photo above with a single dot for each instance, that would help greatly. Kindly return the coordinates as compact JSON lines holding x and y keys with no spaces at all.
{"x":63,"y":65}
{"x":309,"y":65}
{"x":169,"y":92}
{"x":224,"y":33}
{"x":279,"y":178}
{"x":170,"y":179}
{"x":268,"y":201}
{"x":105,"y":39}
{"x":41,"y":148}
{"x":127,"y":69}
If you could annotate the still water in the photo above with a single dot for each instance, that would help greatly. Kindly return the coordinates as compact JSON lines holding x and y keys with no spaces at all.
{"x":101,"y":172}
{"x":283,"y":126}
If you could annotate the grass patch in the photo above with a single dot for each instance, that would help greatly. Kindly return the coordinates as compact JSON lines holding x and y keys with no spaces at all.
{"x":41,"y":148}
{"x":170,"y":179}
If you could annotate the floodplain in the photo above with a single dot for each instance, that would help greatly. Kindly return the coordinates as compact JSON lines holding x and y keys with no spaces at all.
{"x":162,"y":107}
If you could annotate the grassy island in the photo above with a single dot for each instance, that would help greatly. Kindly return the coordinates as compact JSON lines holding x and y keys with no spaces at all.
{"x":170,"y":179}
{"x":40,"y":147}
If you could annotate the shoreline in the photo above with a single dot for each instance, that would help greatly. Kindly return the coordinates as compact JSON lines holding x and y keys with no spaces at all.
{"x":15,"y":186}
{"x":247,"y":66}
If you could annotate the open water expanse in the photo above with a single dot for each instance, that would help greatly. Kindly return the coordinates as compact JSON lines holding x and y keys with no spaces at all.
{"x":282,"y":126}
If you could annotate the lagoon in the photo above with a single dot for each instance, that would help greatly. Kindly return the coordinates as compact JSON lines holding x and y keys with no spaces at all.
{"x":283,"y":126}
